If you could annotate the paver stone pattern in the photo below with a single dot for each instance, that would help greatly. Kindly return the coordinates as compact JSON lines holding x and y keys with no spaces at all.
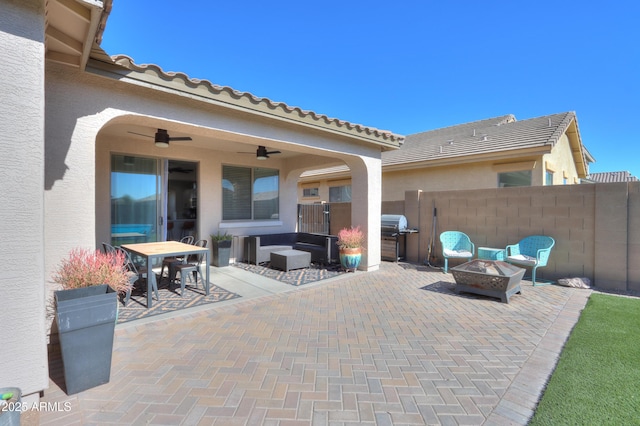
{"x":394,"y":346}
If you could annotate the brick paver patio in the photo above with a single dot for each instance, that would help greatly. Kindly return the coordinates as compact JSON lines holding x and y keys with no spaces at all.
{"x":394,"y":346}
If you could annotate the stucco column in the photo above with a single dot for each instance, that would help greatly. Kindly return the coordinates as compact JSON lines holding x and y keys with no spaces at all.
{"x":366,"y":206}
{"x":289,"y":201}
{"x":24,"y":353}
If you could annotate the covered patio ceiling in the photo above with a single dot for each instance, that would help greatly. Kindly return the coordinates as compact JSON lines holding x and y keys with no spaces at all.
{"x":201,"y":138}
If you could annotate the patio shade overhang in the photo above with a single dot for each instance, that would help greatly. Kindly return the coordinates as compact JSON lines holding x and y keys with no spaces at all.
{"x":122,"y":68}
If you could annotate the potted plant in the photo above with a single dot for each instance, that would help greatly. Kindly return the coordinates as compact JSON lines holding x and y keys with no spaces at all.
{"x":86,"y":313}
{"x":221,"y":250}
{"x":350,"y":241}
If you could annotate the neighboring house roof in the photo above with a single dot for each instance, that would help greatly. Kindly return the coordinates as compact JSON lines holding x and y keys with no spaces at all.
{"x":335,"y":172}
{"x":461,"y":131}
{"x":610,"y":177}
{"x":483,"y":138}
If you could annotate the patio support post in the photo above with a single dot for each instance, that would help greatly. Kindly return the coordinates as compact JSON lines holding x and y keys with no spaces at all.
{"x":366,"y":206}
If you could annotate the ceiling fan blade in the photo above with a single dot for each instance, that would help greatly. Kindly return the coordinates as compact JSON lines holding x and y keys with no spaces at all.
{"x":249,"y":152}
{"x":181,"y":138}
{"x":180,"y":170}
{"x":140,"y":134}
{"x":273,"y":152}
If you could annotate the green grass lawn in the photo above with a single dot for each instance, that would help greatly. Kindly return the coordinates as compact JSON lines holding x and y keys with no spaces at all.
{"x":597,"y":379}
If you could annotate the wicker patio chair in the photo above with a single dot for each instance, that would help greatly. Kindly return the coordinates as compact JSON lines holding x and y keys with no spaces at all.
{"x":456,"y":245}
{"x":532,"y":251}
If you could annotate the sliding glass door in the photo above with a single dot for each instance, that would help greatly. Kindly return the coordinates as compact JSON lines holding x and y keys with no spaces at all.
{"x":136,"y":199}
{"x":152,"y":199}
{"x":182,"y":199}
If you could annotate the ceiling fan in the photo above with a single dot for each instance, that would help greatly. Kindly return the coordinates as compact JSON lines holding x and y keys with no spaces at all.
{"x":262,"y":153}
{"x":162,"y":138}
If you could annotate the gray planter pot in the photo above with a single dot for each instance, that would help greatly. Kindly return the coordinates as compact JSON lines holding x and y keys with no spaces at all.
{"x":221,"y":251}
{"x":86,"y":319}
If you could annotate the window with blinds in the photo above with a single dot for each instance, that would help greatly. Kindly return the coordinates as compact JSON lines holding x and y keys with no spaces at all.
{"x":511,"y":179}
{"x":250,"y":193}
{"x":340,"y":194}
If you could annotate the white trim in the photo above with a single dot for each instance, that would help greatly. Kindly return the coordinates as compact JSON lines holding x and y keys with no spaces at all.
{"x":251,"y":224}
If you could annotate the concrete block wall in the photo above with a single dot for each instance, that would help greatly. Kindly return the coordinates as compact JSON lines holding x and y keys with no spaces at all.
{"x":596,"y":227}
{"x":633,"y":240}
{"x":611,"y":236}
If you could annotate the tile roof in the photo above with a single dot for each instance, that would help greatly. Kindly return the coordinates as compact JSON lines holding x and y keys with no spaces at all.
{"x":610,"y":177}
{"x":495,"y":135}
{"x":386,"y":139}
{"x":154,"y":74}
{"x":334,"y":171}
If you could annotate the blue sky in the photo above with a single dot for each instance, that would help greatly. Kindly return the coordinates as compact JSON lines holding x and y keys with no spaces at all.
{"x":409,"y":66}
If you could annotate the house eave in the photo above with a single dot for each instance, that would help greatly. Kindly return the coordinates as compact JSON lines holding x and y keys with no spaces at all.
{"x":466,"y":159}
{"x":71,"y":28}
{"x":580,"y":155}
{"x":122,"y":68}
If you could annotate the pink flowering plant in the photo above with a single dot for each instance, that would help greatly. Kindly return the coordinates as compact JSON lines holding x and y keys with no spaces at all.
{"x":350,"y":238}
{"x":85,"y":267}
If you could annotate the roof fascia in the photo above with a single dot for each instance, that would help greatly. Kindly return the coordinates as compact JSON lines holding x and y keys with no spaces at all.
{"x":466,"y":159}
{"x":179,"y":84}
{"x":330,"y":176}
{"x":97,"y":18}
{"x":577,"y":149}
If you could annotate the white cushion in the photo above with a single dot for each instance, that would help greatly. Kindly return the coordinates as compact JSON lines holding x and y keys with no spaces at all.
{"x":457,"y":253}
{"x":523,"y":258}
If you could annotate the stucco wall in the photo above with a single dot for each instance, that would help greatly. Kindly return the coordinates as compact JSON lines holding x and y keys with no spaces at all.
{"x":463,"y":176}
{"x":80,"y":105}
{"x":562,"y":163}
{"x":81,"y":108}
{"x":23,"y":356}
{"x":323,"y":187}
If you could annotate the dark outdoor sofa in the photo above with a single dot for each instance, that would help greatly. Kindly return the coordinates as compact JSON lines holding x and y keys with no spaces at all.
{"x":323,"y":248}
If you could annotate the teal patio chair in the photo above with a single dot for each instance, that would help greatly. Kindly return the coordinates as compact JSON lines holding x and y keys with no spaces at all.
{"x":456,"y":245}
{"x":532,"y":251}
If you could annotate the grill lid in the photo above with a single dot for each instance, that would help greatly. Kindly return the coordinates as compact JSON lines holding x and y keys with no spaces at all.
{"x":395,"y":222}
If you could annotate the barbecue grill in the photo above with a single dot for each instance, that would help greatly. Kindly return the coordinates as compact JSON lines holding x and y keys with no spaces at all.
{"x":393,"y":229}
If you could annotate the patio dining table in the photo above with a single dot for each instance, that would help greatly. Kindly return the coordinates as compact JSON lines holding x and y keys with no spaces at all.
{"x":161,"y":249}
